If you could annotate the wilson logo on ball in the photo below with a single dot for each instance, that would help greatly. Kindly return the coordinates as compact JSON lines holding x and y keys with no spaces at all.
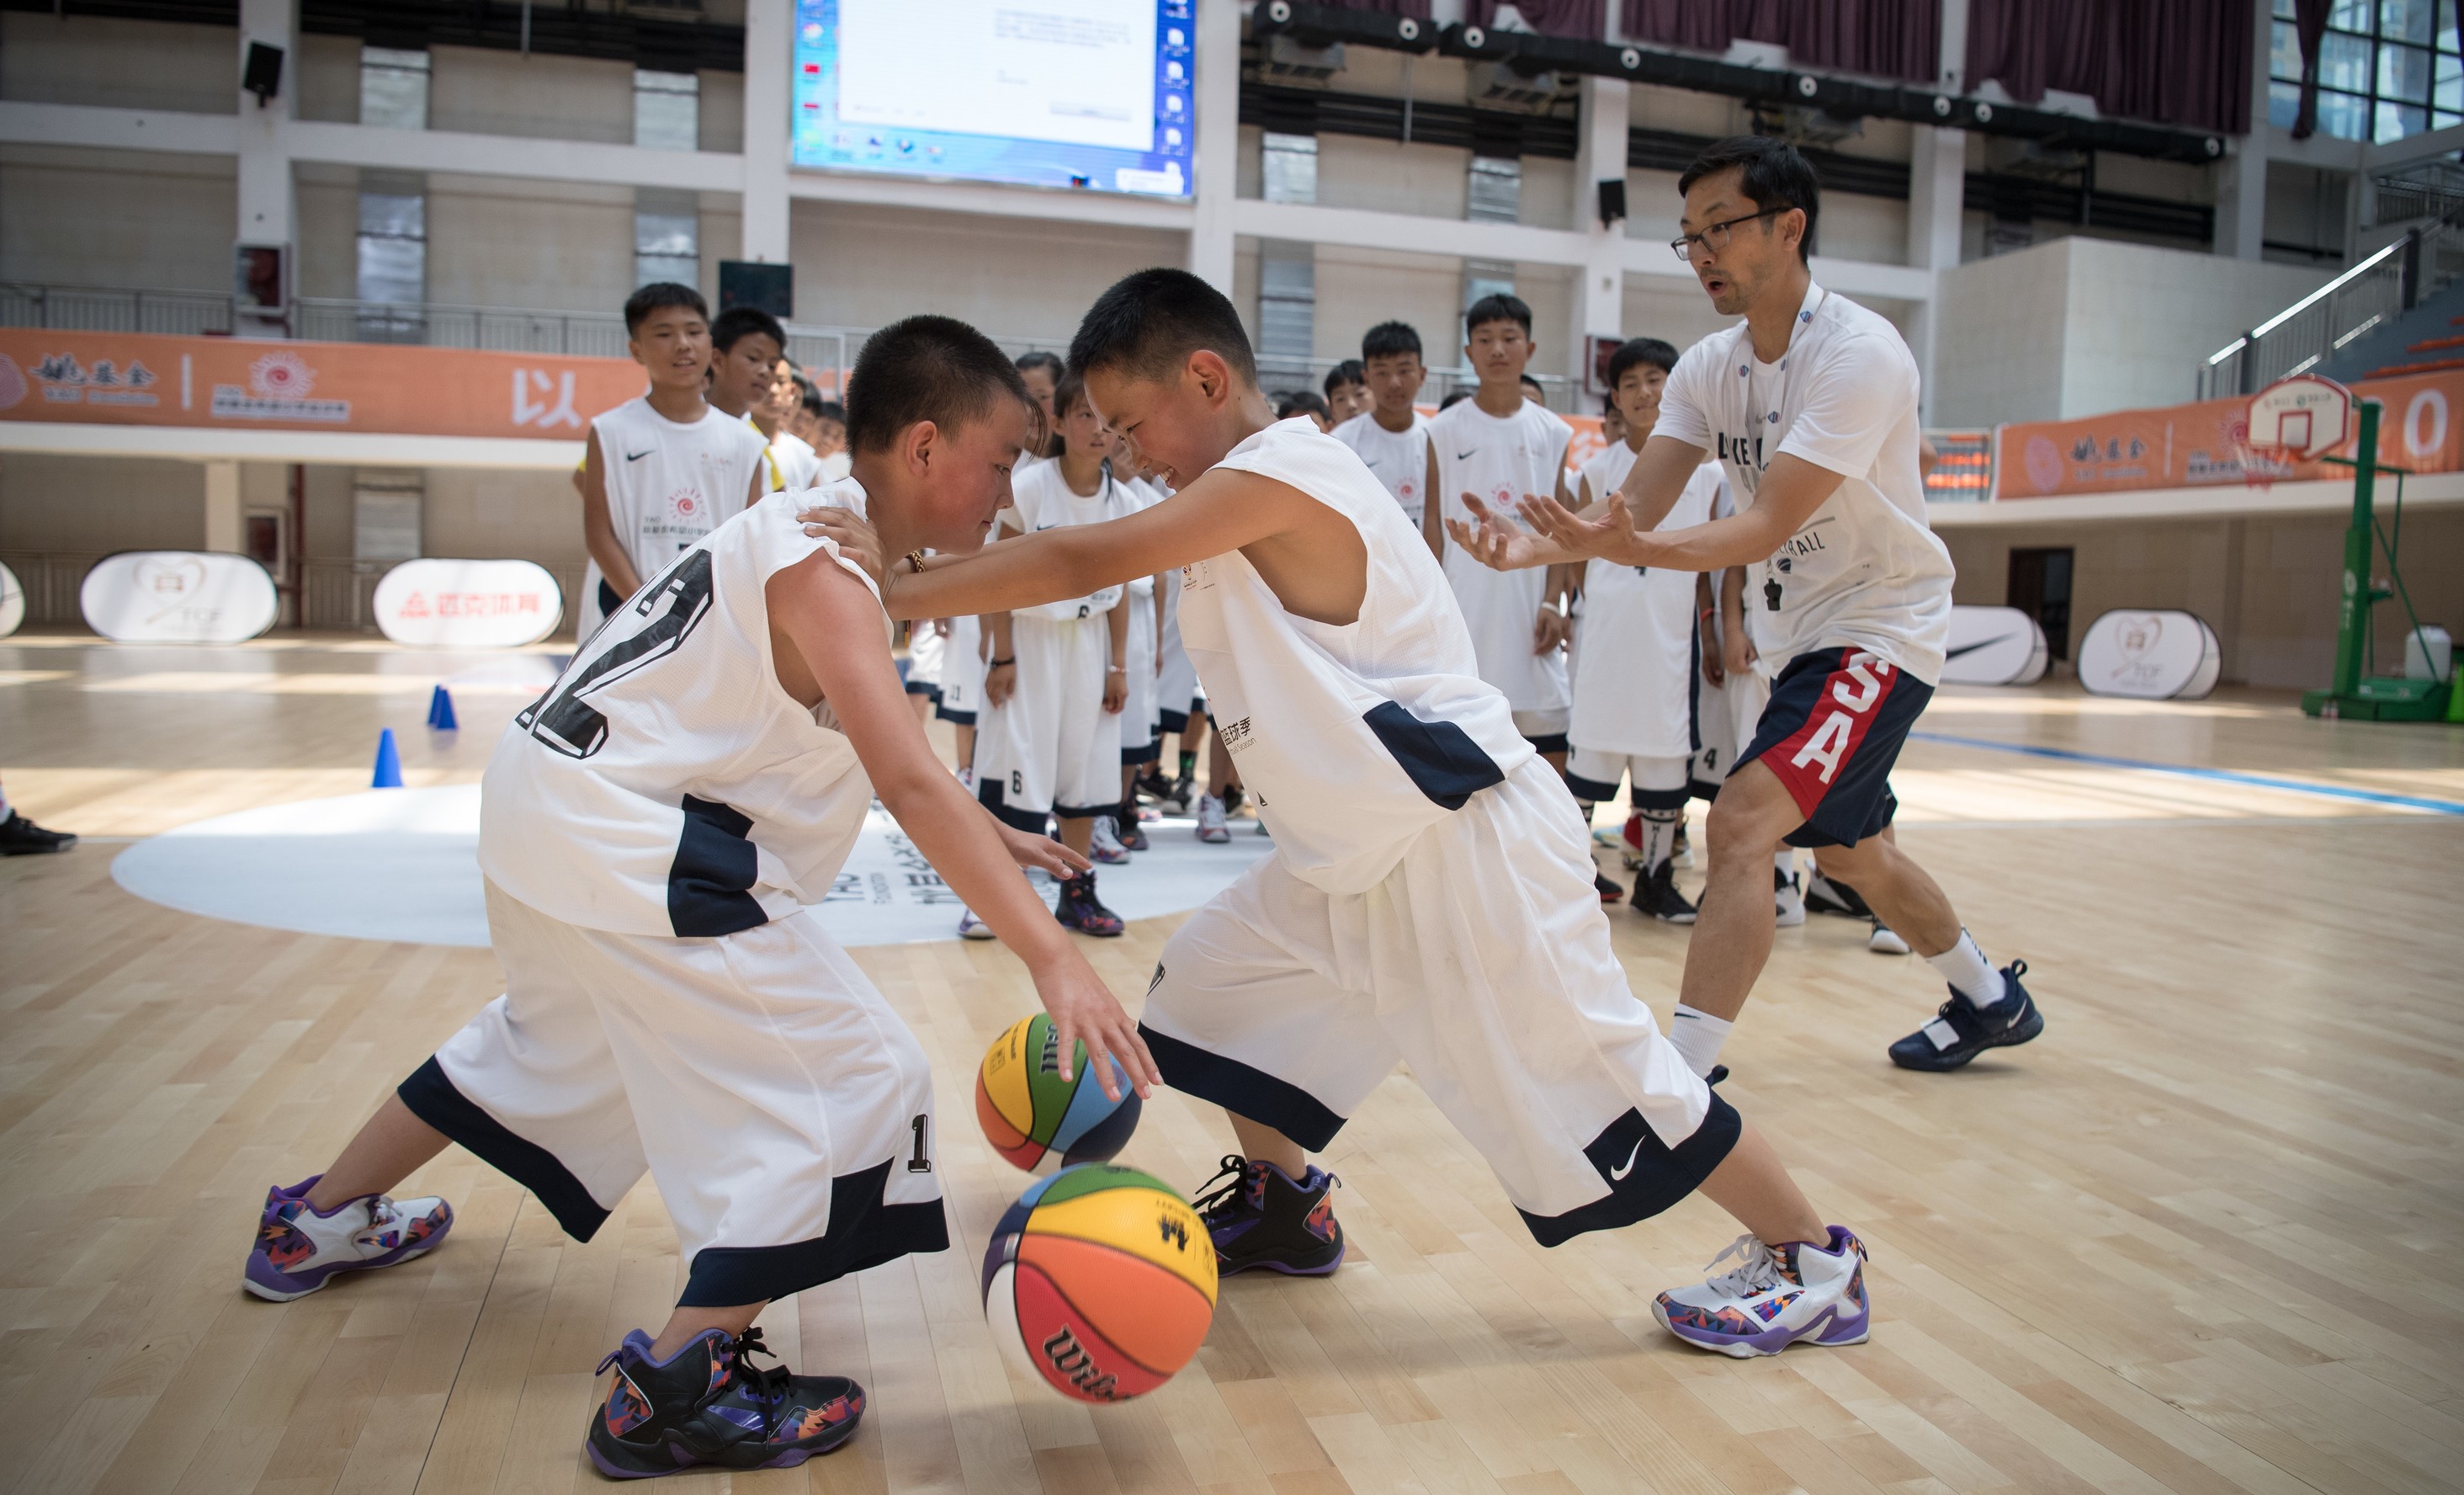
{"x":1072,"y":1364}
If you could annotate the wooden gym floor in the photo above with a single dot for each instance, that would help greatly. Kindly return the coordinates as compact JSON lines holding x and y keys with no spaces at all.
{"x":2200,"y":1236}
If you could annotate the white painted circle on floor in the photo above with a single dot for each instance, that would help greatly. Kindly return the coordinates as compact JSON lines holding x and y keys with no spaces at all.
{"x":403,"y":864}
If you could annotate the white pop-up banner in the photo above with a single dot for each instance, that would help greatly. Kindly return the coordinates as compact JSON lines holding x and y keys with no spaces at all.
{"x":2161,"y":655}
{"x":12,"y":602}
{"x":1994,"y":646}
{"x":178,"y":597}
{"x":441,"y":604}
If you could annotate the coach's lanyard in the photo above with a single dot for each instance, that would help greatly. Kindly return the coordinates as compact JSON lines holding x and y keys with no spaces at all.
{"x":1815,"y":297}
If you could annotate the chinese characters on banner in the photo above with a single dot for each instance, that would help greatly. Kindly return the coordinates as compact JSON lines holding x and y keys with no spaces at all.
{"x":2202,"y":444}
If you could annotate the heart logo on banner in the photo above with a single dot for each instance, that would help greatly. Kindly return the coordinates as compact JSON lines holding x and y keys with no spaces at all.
{"x":170,"y":584}
{"x":2139,"y":635}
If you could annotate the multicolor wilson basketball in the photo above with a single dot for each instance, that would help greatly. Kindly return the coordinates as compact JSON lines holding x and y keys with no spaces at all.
{"x":1100,"y":1281}
{"x":1035,"y":1118}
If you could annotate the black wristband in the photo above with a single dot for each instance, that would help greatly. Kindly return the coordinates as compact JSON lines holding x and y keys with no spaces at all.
{"x":994,"y":664}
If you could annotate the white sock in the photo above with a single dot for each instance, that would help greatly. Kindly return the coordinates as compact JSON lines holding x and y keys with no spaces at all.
{"x":1969,"y":973}
{"x":1783,"y":862}
{"x":1659,"y":835}
{"x":1697,"y":1037}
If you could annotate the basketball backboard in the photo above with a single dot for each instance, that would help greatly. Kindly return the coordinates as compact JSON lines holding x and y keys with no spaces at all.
{"x":2300,"y":417}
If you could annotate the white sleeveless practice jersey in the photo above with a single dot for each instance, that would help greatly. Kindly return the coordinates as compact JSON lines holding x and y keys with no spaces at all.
{"x":1351,"y":739}
{"x":669,"y":482}
{"x":1399,"y":458}
{"x":1865,"y":571}
{"x":666,"y":785}
{"x":1043,"y":500}
{"x":1634,"y":642}
{"x":1499,"y":461}
{"x":793,"y":463}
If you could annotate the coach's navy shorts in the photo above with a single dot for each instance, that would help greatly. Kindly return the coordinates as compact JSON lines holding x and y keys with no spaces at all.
{"x":1831,"y":733}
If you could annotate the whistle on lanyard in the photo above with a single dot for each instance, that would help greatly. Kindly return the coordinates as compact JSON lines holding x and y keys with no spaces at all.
{"x":1771,"y":593}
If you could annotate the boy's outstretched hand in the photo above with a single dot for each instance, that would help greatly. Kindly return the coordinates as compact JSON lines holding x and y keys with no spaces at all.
{"x":1041,"y":852}
{"x":1084,"y":1008}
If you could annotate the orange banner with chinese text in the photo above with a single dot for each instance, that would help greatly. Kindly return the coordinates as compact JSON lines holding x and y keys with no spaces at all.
{"x":141,"y":379}
{"x":2203,"y":444}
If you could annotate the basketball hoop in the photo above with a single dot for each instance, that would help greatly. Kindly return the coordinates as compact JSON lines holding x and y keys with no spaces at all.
{"x":2293,"y":420}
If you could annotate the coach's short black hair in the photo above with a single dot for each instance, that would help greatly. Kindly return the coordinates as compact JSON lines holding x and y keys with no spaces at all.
{"x":1497,"y":308}
{"x":927,"y":368}
{"x":1050,"y":363}
{"x":1775,"y":177}
{"x":1390,"y":340}
{"x":1348,"y":371}
{"x":1148,"y":323}
{"x":657,"y":296}
{"x":1636,"y":352}
{"x":738,"y":322}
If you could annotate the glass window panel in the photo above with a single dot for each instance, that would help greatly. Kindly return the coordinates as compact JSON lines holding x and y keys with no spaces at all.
{"x":2442,"y":121}
{"x":393,"y":88}
{"x":2283,"y":103}
{"x":1290,"y":169}
{"x":2343,"y":116}
{"x":2284,"y":9}
{"x":393,"y":215}
{"x":2447,"y":24}
{"x":2396,"y":120}
{"x":2350,"y":16}
{"x":2404,"y":74}
{"x":2407,"y":20}
{"x":2448,"y":90}
{"x":667,"y":110}
{"x":666,"y":233}
{"x":2284,"y":54}
{"x":392,"y":270}
{"x":2345,"y":63}
{"x":1496,"y":190}
{"x":681,"y":269}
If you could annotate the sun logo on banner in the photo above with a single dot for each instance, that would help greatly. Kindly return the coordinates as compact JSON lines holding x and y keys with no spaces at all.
{"x":281,"y":376}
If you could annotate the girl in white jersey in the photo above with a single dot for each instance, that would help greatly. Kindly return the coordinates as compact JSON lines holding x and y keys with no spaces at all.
{"x":1429,"y":896}
{"x":665,"y":468}
{"x":655,"y":831}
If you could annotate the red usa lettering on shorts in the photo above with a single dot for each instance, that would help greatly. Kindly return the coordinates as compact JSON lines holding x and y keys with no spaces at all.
{"x":1809,"y":759}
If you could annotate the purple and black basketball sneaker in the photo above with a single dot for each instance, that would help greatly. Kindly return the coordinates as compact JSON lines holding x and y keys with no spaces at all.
{"x":1774,"y":1298}
{"x":706,"y":1404}
{"x":299,"y":1250}
{"x":1258,"y":1217}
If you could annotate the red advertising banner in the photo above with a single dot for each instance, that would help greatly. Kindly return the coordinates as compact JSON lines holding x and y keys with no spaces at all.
{"x":2203,"y":444}
{"x":138,"y":379}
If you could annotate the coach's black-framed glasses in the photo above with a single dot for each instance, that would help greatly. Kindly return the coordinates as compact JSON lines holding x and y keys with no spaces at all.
{"x":1715,"y":236}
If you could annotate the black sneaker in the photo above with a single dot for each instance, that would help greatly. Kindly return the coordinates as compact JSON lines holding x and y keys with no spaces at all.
{"x":1657,"y":895}
{"x":1133,"y":836}
{"x":708,"y":1405}
{"x":1258,"y":1217}
{"x":1081,"y":910}
{"x":1961,"y":1031}
{"x":1823,"y":896}
{"x":1610,"y":890}
{"x":1152,"y":785}
{"x":1180,"y":798}
{"x":20,"y":836}
{"x":1231,"y":797}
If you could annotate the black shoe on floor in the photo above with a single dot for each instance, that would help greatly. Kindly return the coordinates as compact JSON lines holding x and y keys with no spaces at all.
{"x":20,"y":836}
{"x":1823,"y":896}
{"x":1610,"y":890}
{"x":1259,"y":1218}
{"x":708,"y":1405}
{"x":1231,"y":797}
{"x":1081,"y":910}
{"x":1962,"y":1031}
{"x":1656,"y":894}
{"x":1152,"y":785}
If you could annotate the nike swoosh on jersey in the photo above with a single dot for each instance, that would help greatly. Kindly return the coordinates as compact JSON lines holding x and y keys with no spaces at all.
{"x":1953,"y":654}
{"x":635,"y":456}
{"x":1466,"y":456}
{"x":1616,"y":1175}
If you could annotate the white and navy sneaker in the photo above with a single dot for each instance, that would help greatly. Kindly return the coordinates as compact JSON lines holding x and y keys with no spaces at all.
{"x":1962,"y":1029}
{"x":1213,"y":828}
{"x":298,"y":1251}
{"x":971,"y":928}
{"x":1656,"y":895}
{"x":1774,"y":1298}
{"x":1788,"y":905}
{"x":1885,"y":941}
{"x":1822,"y":896}
{"x":1105,"y":845}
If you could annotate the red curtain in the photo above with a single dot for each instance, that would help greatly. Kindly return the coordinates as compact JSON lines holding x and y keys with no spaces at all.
{"x":1585,"y":20}
{"x":1886,"y":38}
{"x":2182,"y":62}
{"x":2309,"y":25}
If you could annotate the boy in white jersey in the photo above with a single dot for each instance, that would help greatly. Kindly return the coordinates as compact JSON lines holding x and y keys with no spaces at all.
{"x":746,"y":344}
{"x":1429,"y":895}
{"x":1392,"y":436}
{"x":665,"y":468}
{"x":653,"y":833}
{"x":1495,"y":446}
{"x":1811,"y":404}
{"x":1633,"y":661}
{"x":792,"y":461}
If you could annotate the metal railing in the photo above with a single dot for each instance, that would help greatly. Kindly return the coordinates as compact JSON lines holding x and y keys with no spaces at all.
{"x":80,"y":309}
{"x":2313,"y":330}
{"x":50,"y":579}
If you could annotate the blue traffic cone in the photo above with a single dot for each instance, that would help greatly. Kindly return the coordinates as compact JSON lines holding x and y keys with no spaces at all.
{"x":440,"y":711}
{"x":388,"y":763}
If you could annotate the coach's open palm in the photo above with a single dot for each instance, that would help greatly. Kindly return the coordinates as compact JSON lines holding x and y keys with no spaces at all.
{"x":1084,"y":1008}
{"x":1496,"y":540}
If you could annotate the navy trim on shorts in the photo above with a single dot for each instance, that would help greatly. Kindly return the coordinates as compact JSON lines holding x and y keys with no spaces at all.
{"x":1658,"y":798}
{"x":1644,"y":1174}
{"x":954,"y":718}
{"x":1548,"y":742}
{"x":608,"y":601}
{"x":1831,"y":735}
{"x":863,"y":1232}
{"x":1440,"y":757}
{"x":1137,"y":757}
{"x":991,"y":794}
{"x":1175,"y":723}
{"x":431,"y":1097}
{"x":924,"y":688}
{"x":1592,"y":790}
{"x":715,"y":868}
{"x":1084,"y":812}
{"x":1242,"y":1090}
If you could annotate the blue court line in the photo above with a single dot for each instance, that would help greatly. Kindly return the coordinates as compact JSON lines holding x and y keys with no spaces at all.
{"x":2445,"y":807}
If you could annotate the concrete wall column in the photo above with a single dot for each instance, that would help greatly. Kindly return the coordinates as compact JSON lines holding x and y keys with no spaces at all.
{"x":2241,"y":178}
{"x":265,"y":196}
{"x":1214,"y":162}
{"x":223,"y":528}
{"x":1600,"y":156}
{"x":769,"y":56}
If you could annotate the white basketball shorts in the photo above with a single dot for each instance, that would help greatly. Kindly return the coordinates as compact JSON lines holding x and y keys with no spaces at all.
{"x":783,"y":1108}
{"x":1657,"y":783}
{"x":1051,"y":747}
{"x":1483,"y":960}
{"x":1138,"y":716}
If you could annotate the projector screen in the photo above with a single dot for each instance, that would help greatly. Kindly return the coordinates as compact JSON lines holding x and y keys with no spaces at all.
{"x":1090,"y":94}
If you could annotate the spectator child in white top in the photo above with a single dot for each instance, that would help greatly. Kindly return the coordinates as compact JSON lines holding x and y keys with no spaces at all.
{"x":1391,"y":435}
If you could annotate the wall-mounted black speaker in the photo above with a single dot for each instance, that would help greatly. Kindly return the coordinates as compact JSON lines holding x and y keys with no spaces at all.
{"x":263,"y":75}
{"x":1612,"y":200}
{"x":746,"y":282}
